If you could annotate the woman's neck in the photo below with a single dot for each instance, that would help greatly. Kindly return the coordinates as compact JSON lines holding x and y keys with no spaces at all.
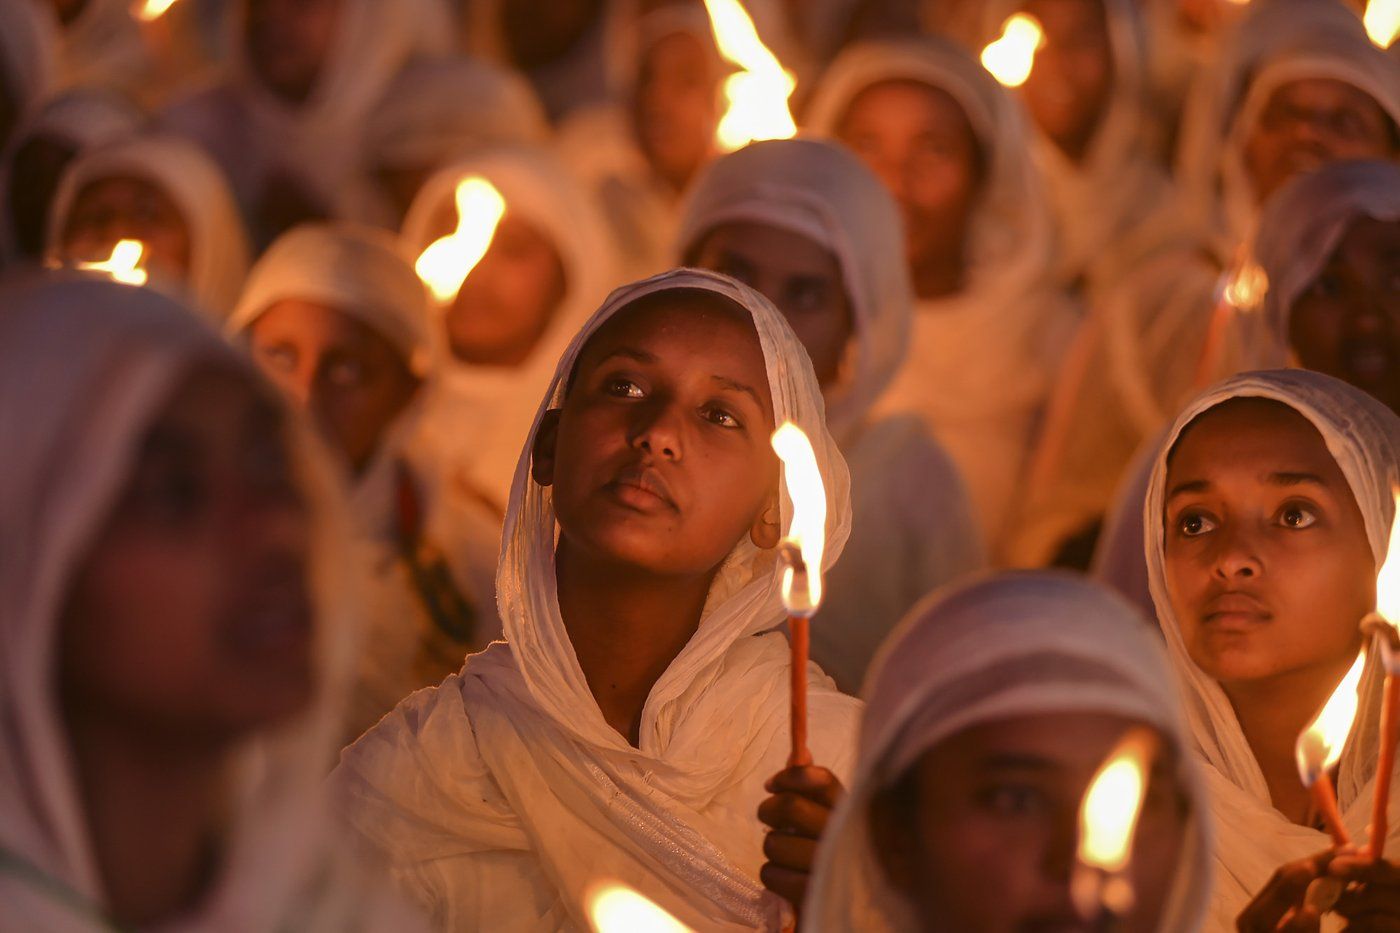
{"x":626,"y":628}
{"x":154,"y":815}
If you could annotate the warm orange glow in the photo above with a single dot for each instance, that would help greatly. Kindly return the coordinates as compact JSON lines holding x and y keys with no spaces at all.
{"x":1246,"y":287}
{"x":1382,"y":21}
{"x":447,"y":262}
{"x":1109,"y":815}
{"x":1011,"y":58}
{"x":758,"y":93}
{"x":1388,"y":580}
{"x":616,"y":908}
{"x":125,"y":265}
{"x":802,"y":593}
{"x":1320,"y":744}
{"x":150,"y":10}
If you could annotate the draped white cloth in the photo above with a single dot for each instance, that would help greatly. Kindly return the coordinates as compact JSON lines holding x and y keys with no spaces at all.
{"x":28,"y":36}
{"x":103,"y":47}
{"x":980,"y":362}
{"x":503,"y":795}
{"x":364,"y":273}
{"x":75,"y":431}
{"x":913,"y":527}
{"x":1252,"y":839}
{"x":193,"y":182}
{"x":1021,"y":644}
{"x":478,"y":416}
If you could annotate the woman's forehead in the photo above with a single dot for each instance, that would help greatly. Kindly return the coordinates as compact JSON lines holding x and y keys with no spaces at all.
{"x":1258,"y":435}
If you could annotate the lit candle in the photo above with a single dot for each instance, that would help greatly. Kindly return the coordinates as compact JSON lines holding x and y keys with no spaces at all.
{"x":1382,"y":623}
{"x":801,"y":552}
{"x":148,"y":11}
{"x":616,"y":908}
{"x":1241,"y":290}
{"x":445,"y":264}
{"x":1382,"y":22}
{"x":758,"y":92}
{"x":1011,"y":58}
{"x":1320,"y":746}
{"x":1108,"y":820}
{"x":126,"y":264}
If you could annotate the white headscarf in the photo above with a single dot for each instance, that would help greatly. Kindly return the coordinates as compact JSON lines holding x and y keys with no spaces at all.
{"x":479,"y":415}
{"x":75,"y":430}
{"x":1021,"y":644}
{"x":1252,"y":838}
{"x":28,"y":33}
{"x":193,"y":181}
{"x":504,"y":794}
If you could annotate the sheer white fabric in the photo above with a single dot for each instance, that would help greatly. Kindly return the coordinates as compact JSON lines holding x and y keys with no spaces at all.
{"x":503,"y":795}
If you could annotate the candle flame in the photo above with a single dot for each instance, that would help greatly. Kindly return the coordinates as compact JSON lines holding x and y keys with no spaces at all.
{"x":1388,"y":580}
{"x":124,"y":265}
{"x":148,"y":11}
{"x":758,"y":93}
{"x":1011,"y":58}
{"x":1382,"y":22}
{"x":802,"y":586}
{"x":445,"y":264}
{"x":1246,"y":286}
{"x":1320,"y":744}
{"x":616,"y":908}
{"x":1109,"y":814}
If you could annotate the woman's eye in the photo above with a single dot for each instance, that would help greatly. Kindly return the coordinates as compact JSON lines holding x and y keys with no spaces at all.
{"x":1012,"y":799}
{"x":722,"y":418}
{"x":346,"y":373}
{"x":1295,"y":516}
{"x":282,"y":359}
{"x":624,"y":388}
{"x":1326,"y":286}
{"x":1194,"y":524}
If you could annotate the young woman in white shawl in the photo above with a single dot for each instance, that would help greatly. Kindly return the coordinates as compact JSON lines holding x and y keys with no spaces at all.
{"x":336,"y":317}
{"x":1267,"y":517}
{"x":176,"y":632}
{"x":493,"y":346}
{"x":989,"y":712}
{"x":1299,"y":86}
{"x":989,"y":330}
{"x":166,"y":193}
{"x":811,"y":228}
{"x":624,"y":729}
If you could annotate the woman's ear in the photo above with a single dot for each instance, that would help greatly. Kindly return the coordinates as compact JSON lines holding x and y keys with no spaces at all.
{"x":767,"y":529}
{"x":542,"y":453}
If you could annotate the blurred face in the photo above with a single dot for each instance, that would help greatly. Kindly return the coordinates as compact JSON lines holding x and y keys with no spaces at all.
{"x":918,"y":140}
{"x":1267,"y":563}
{"x":34,"y":176}
{"x":288,"y":43}
{"x":675,"y":107}
{"x":68,"y":10}
{"x":801,"y":277}
{"x":982,"y":834}
{"x":660,"y":458}
{"x":352,"y":381}
{"x":1347,"y":323}
{"x":507,"y":303}
{"x":1068,"y":90}
{"x":1309,"y":123}
{"x":124,"y":208}
{"x":189,"y":620}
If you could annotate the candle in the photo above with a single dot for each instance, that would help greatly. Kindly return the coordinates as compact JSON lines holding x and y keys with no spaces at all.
{"x":1382,"y":624}
{"x":1011,"y":58}
{"x":1241,"y":289}
{"x":445,"y":264}
{"x":801,"y":553}
{"x":758,"y":93}
{"x":1382,"y":21}
{"x":148,"y":11}
{"x":616,"y":908}
{"x":1320,"y":746}
{"x":125,"y":265}
{"x":1108,"y":819}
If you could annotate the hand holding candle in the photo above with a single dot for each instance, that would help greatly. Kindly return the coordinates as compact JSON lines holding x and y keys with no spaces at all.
{"x":1320,"y":746}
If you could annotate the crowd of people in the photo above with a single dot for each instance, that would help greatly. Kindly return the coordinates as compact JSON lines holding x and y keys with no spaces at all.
{"x":344,"y":589}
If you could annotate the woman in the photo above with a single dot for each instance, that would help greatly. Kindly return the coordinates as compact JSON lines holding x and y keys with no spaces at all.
{"x":167,"y":194}
{"x":1268,"y":516}
{"x":990,"y":711}
{"x":813,"y":230}
{"x":625,"y":727}
{"x":335,"y":317}
{"x":176,"y":631}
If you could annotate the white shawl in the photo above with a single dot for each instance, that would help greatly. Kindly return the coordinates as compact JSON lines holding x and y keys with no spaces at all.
{"x":1252,"y":839}
{"x":503,"y":795}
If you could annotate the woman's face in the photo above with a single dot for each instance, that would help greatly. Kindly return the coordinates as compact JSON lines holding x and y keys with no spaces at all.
{"x":1268,"y":567}
{"x":660,"y":456}
{"x":918,"y":140}
{"x":1309,"y":123}
{"x":675,"y":108}
{"x":1347,"y":322}
{"x":507,"y":303}
{"x":352,"y":381}
{"x":127,"y":208}
{"x":189,"y":617}
{"x":982,"y":835}
{"x":1068,"y":91}
{"x":289,"y":42}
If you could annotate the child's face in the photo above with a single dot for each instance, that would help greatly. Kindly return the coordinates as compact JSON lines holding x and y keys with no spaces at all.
{"x":1309,"y":123}
{"x":918,"y":140}
{"x":189,"y":618}
{"x":1347,"y":322}
{"x":675,"y":106}
{"x":288,"y":41}
{"x":126,"y":208}
{"x":983,"y":834}
{"x":1067,"y":91}
{"x":1267,"y":563}
{"x":660,"y":456}
{"x":352,"y":381}
{"x":801,"y":277}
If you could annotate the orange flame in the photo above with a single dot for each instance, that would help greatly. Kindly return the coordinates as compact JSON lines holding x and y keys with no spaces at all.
{"x":148,"y":11}
{"x":445,"y":264}
{"x":125,"y":265}
{"x":1011,"y":58}
{"x":1382,"y":22}
{"x":616,"y":908}
{"x":802,"y":586}
{"x":758,"y":93}
{"x":1319,"y":746}
{"x":1246,"y":287}
{"x":1108,"y":819}
{"x":1388,"y":579}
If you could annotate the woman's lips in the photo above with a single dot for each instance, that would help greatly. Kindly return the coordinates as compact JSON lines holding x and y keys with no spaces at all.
{"x":1233,"y":609}
{"x":642,"y":490}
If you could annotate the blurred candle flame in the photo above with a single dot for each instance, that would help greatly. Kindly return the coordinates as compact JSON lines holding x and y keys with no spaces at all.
{"x":149,"y":11}
{"x":758,"y":93}
{"x":616,"y":908}
{"x":1011,"y":58}
{"x":1320,"y":744}
{"x":1246,"y":286}
{"x":1388,"y":580}
{"x":124,"y":265}
{"x":1382,"y":22}
{"x":802,"y":586}
{"x":1109,"y":814}
{"x":445,"y":264}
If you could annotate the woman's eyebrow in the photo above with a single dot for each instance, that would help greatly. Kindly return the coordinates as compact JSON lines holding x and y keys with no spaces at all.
{"x":1192,"y":485}
{"x":630,"y":353}
{"x":1290,"y":478}
{"x":738,"y":386}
